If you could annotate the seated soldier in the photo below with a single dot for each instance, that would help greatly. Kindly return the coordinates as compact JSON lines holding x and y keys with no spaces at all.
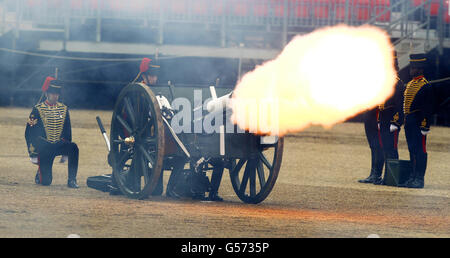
{"x":49,"y":134}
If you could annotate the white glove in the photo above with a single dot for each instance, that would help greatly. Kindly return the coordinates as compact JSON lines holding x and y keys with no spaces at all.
{"x":425,"y":132}
{"x":34,"y":160}
{"x":378,"y":126}
{"x":63,"y":159}
{"x":393,"y":128}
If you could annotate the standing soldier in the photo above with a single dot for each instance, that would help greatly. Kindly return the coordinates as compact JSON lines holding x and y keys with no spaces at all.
{"x":373,"y":137}
{"x":49,"y":134}
{"x":390,"y":119}
{"x":382,"y":126}
{"x":418,"y":108}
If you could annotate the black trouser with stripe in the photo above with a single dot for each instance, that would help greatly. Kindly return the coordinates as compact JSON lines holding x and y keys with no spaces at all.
{"x":416,"y":146}
{"x":373,"y":138}
{"x":47,"y":154}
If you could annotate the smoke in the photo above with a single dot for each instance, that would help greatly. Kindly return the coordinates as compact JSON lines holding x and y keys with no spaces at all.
{"x":321,"y":78}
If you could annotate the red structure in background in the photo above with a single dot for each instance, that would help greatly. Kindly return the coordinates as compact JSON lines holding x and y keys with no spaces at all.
{"x":361,"y":10}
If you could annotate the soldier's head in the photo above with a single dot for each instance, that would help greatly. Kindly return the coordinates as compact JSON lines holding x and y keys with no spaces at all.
{"x":149,"y":71}
{"x":417,"y":64}
{"x":53,"y":91}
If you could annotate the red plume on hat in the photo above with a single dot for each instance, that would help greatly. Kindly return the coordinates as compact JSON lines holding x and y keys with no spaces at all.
{"x":144,"y":65}
{"x":47,"y":83}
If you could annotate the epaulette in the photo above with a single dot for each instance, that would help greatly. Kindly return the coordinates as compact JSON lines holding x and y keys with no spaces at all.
{"x":38,"y":104}
{"x":422,"y":80}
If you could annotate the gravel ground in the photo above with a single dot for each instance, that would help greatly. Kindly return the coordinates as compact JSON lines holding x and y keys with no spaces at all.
{"x":316,"y":195}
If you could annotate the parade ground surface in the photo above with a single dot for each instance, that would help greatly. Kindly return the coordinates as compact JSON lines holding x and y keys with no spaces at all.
{"x":316,"y":195}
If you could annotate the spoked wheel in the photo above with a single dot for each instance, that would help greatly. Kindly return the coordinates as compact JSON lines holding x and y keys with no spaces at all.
{"x":137,"y":141}
{"x":253,"y":178}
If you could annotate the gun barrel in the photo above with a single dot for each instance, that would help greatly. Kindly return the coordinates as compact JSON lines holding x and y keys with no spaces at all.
{"x":221,"y":103}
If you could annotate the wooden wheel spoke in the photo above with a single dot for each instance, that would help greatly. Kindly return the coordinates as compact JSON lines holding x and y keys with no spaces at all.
{"x":136,"y":173}
{"x":247,"y":173}
{"x":129,"y":180}
{"x":141,"y":113}
{"x":144,"y":168}
{"x":265,"y":161}
{"x":123,"y":157}
{"x":146,"y":126}
{"x":238,"y":167}
{"x":130,"y":112}
{"x":252,"y":177}
{"x":235,"y":171}
{"x":125,"y":125}
{"x":150,"y":141}
{"x":147,"y":156}
{"x":261,"y":176}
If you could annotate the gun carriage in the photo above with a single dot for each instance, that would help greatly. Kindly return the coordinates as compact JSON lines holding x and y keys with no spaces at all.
{"x":143,"y":145}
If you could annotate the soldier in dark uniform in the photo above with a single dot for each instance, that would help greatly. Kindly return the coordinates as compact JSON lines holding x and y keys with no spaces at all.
{"x":48,"y":134}
{"x":418,"y":108}
{"x":390,"y":119}
{"x":382,"y":126}
{"x":373,"y":137}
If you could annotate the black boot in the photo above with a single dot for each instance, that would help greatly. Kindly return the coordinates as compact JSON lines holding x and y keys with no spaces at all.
{"x":177,"y":171}
{"x":372,"y":178}
{"x":411,"y":179}
{"x":378,"y":181}
{"x":216,"y":178}
{"x":421,"y":166}
{"x":37,"y":178}
{"x":72,"y":183}
{"x":408,"y":182}
{"x":375,"y":171}
{"x":412,"y":176}
{"x":416,"y":183}
{"x":214,"y":196}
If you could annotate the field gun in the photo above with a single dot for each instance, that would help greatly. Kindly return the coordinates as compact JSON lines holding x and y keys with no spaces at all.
{"x":146,"y":140}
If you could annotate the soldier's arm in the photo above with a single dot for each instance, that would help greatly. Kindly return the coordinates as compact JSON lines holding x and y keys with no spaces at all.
{"x":398,"y":115}
{"x":429,"y":105}
{"x":30,"y":132}
{"x":67,"y":130}
{"x":426,"y":108}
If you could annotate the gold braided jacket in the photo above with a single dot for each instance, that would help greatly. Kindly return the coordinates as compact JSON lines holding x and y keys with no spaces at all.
{"x":53,"y":118}
{"x":410,"y":93}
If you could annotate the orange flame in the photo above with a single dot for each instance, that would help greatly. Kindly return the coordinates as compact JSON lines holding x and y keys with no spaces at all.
{"x":321,"y":78}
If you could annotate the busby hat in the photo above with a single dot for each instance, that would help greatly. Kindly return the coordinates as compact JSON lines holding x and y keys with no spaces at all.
{"x":145,"y":64}
{"x":154,"y":68}
{"x":149,"y":66}
{"x":55,"y":86}
{"x":418,"y":60}
{"x":47,"y":83}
